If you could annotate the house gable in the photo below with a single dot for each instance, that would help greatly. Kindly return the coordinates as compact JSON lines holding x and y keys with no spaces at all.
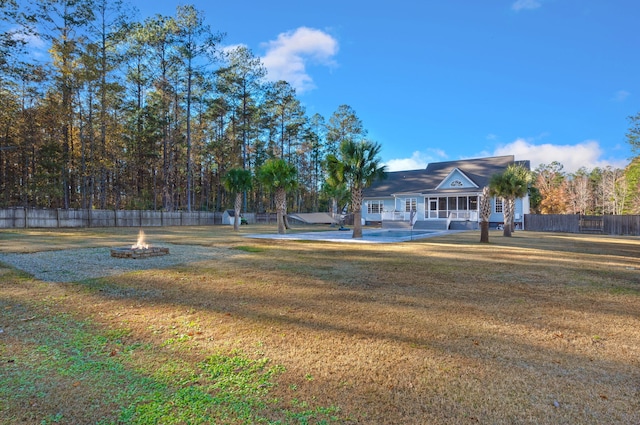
{"x":472,"y":173}
{"x":456,"y":180}
{"x":443,"y":192}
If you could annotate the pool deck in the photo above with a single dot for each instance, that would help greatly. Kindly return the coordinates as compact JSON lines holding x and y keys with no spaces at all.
{"x":344,"y":236}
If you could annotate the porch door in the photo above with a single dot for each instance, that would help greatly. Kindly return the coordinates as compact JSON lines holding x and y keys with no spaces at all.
{"x":433,"y":208}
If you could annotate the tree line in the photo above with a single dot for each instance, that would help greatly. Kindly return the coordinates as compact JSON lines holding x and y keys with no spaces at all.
{"x":598,"y":191}
{"x":148,"y":114}
{"x":155,"y":114}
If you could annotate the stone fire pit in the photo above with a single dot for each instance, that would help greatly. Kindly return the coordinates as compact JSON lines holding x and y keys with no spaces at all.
{"x":139,"y":250}
{"x":152,"y":251}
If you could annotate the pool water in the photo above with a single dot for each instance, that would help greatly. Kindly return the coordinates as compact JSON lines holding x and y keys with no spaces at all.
{"x":398,"y":233}
{"x":368,"y":235}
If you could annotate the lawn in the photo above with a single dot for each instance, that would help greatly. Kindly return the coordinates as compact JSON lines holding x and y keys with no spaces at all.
{"x":540,"y":328}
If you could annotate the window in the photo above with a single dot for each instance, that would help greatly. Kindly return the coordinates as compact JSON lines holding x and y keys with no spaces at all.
{"x":457,"y":207}
{"x":374,"y":207}
{"x":443,"y":209}
{"x":473,"y":203}
{"x":410,"y":204}
{"x":462,"y":202}
{"x":456,"y":183}
{"x":498,"y":204}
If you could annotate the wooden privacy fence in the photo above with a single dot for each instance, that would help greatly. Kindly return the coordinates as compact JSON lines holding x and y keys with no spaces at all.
{"x":575,"y":223}
{"x":621,"y":225}
{"x":55,"y":218}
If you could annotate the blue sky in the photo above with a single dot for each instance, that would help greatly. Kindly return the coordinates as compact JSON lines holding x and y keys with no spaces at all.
{"x":434,"y":80}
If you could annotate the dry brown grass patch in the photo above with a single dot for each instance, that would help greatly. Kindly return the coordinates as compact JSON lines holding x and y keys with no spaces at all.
{"x":538,"y":328}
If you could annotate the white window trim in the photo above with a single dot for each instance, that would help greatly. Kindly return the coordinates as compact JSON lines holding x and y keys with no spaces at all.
{"x":380,"y":205}
{"x":500,"y":202}
{"x":410,"y":202}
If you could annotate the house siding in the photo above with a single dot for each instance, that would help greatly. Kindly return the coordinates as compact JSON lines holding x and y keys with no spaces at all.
{"x":464,"y":178}
{"x":397,"y":205}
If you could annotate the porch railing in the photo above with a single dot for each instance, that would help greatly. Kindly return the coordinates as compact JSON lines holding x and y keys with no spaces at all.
{"x":454,"y":215}
{"x":395,"y":216}
{"x":463,"y":215}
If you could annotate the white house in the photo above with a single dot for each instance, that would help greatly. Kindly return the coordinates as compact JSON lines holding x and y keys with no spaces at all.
{"x":445,"y":195}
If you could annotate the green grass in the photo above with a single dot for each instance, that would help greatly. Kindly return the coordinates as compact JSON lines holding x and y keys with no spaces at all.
{"x":250,"y":248}
{"x":65,"y":352}
{"x":621,"y":290}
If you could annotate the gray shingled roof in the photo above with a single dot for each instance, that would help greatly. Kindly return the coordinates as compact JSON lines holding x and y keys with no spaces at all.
{"x":478,"y":170}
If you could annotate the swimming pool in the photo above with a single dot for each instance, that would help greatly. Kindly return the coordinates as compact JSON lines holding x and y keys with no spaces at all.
{"x":368,"y":235}
{"x":399,"y":233}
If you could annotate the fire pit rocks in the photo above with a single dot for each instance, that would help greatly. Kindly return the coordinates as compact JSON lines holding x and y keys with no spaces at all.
{"x":139,"y":250}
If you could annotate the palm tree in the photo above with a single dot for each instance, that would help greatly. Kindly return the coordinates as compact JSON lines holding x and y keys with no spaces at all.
{"x":485,"y":214}
{"x":281,"y":177}
{"x":511,"y":184}
{"x":237,"y":181}
{"x":358,"y":167}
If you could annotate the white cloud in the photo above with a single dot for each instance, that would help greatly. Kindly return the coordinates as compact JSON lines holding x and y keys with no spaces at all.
{"x":586,"y":154}
{"x":232,"y":47}
{"x":36,"y":46}
{"x":287,"y":57}
{"x":620,"y":96}
{"x":417,"y":160}
{"x":30,"y":39}
{"x":525,"y":5}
